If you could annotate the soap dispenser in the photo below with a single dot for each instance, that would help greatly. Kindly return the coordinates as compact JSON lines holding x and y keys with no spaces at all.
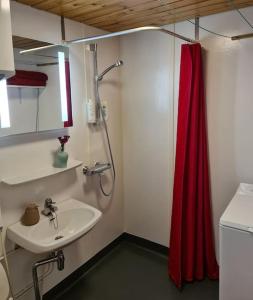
{"x":61,"y":157}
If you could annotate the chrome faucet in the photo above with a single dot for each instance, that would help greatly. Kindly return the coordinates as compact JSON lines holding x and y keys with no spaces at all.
{"x":49,"y":207}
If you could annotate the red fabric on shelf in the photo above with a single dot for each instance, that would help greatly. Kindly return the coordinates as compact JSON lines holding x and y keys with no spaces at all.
{"x":28,"y":78}
{"x":25,"y":82}
{"x":192,"y":254}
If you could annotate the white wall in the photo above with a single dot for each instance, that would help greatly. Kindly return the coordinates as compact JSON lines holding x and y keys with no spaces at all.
{"x":229,"y":83}
{"x":146,"y":133}
{"x":147,"y":114}
{"x":29,"y":151}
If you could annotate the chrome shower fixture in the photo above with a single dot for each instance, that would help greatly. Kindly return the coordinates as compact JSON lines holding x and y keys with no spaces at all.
{"x":98,"y":169}
{"x":117,"y":64}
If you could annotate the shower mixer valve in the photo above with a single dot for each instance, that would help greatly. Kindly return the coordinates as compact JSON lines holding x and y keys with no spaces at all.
{"x":99,"y":169}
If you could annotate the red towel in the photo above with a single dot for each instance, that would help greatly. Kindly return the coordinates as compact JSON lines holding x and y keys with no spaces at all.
{"x":28,"y":78}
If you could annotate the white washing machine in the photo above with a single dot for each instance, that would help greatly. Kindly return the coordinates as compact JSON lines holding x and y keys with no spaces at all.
{"x":236,"y":247}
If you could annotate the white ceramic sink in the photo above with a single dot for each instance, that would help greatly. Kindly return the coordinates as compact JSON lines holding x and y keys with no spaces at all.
{"x":74,"y":220}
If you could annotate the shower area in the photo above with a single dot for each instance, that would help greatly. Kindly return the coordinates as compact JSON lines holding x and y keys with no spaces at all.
{"x":148,"y":124}
{"x":148,"y":93}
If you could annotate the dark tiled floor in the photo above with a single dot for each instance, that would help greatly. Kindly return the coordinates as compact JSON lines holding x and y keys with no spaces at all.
{"x":132,"y":272}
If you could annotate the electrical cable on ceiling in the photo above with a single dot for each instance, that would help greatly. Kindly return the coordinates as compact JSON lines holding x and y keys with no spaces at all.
{"x":219,"y":34}
{"x":232,"y":3}
{"x":203,"y":28}
{"x":210,"y":31}
{"x":216,"y":33}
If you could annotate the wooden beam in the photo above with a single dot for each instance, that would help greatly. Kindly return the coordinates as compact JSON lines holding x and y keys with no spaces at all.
{"x":242,"y":36}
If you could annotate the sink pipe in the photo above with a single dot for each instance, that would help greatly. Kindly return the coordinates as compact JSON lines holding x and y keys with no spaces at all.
{"x":58,"y":257}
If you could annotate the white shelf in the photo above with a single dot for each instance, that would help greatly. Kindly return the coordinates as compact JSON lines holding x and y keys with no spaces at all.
{"x":40,"y":173}
{"x":26,"y":86}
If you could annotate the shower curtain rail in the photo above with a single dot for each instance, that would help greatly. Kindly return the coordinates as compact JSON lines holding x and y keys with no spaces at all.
{"x":94,"y":38}
{"x":90,"y":39}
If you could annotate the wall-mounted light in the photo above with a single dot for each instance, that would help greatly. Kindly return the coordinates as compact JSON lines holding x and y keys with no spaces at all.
{"x":63,"y":90}
{"x":4,"y":105}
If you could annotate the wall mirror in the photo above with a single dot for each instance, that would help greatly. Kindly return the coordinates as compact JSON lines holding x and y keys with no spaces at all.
{"x":38,"y":97}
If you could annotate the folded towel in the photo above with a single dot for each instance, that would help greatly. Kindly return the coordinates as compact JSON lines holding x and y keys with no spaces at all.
{"x":28,"y":78}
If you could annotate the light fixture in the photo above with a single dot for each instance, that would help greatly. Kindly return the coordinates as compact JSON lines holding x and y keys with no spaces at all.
{"x":63,"y":89}
{"x":4,"y":105}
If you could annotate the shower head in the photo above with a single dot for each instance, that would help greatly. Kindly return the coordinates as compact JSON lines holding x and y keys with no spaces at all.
{"x":118,"y":63}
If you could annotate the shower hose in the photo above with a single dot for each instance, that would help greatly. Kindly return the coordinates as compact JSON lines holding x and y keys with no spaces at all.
{"x":107,"y":194}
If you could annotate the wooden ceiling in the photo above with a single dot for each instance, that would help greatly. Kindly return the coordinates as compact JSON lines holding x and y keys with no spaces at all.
{"x":25,"y":43}
{"x":115,"y":15}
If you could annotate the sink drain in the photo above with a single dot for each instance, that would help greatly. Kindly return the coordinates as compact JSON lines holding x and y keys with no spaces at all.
{"x":59,"y":237}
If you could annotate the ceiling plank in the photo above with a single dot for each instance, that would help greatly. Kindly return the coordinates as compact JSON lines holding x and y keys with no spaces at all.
{"x":168,"y":12}
{"x":25,"y":43}
{"x":149,"y":5}
{"x":173,"y":9}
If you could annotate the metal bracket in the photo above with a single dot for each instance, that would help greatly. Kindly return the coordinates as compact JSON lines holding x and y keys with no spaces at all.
{"x":63,"y":33}
{"x":93,"y":47}
{"x":197,"y":28}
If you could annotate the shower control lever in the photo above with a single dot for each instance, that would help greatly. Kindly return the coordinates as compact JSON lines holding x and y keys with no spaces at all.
{"x":99,"y":168}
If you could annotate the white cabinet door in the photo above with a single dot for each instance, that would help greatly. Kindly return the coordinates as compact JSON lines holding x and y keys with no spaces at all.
{"x":6,"y":48}
{"x":236,"y":264}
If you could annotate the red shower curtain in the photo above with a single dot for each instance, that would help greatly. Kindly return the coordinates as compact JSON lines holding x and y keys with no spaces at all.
{"x":192,"y":253}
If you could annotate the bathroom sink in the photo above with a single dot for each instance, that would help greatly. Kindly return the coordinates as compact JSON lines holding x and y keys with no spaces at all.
{"x":74,"y":220}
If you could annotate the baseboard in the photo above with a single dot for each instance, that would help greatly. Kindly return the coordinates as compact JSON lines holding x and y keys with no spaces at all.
{"x":145,"y":243}
{"x":73,"y":277}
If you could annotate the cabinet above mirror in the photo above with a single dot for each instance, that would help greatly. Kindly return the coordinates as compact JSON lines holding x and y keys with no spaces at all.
{"x":38,"y":97}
